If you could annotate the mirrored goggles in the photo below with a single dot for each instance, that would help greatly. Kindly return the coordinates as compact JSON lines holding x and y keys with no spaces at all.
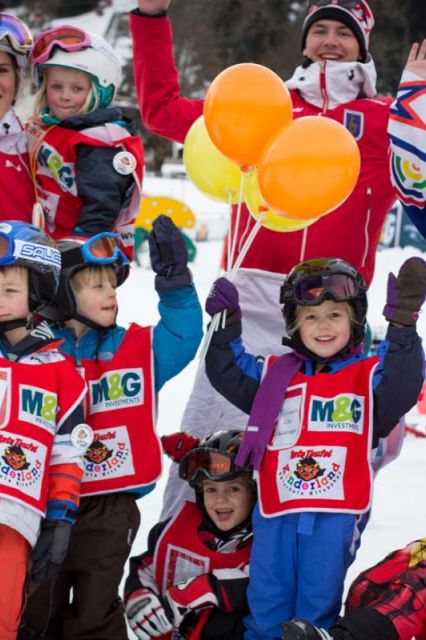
{"x":67,"y":38}
{"x":20,"y":38}
{"x":7,"y":248}
{"x":314,"y":289}
{"x":104,"y":248}
{"x":208,"y":462}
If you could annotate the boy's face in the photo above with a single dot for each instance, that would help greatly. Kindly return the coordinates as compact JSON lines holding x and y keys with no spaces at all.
{"x":14,"y":294}
{"x":228,"y":503}
{"x":325,"y":329}
{"x":331,"y":40}
{"x":66,"y":91}
{"x":97,"y":299}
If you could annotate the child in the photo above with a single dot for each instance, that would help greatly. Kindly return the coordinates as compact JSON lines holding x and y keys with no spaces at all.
{"x":124,"y":370}
{"x":312,"y":452}
{"x":87,"y":164}
{"x":385,"y":602}
{"x":41,"y":396}
{"x":193,"y":577}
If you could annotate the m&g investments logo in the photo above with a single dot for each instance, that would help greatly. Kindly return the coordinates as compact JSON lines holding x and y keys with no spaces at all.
{"x":342,"y":413}
{"x":117,"y":389}
{"x":38,"y":406}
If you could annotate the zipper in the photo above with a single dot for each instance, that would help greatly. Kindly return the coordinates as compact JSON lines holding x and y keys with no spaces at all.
{"x":368,"y":193}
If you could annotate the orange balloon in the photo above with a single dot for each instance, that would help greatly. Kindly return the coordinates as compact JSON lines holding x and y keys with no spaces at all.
{"x":244,"y":106}
{"x":268,"y":219}
{"x":309,"y":168}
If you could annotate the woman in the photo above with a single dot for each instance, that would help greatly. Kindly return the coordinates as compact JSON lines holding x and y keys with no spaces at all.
{"x":16,"y":187}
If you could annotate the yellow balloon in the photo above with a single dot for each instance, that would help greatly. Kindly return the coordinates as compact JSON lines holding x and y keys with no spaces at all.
{"x":268,"y":219}
{"x":209,"y":170}
{"x":151,"y":207}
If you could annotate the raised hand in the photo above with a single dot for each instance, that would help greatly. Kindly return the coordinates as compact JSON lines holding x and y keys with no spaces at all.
{"x":406,"y":293}
{"x":416,"y":62}
{"x":151,"y":7}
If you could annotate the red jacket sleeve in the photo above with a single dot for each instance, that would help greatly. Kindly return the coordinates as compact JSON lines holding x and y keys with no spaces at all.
{"x":164,"y":111}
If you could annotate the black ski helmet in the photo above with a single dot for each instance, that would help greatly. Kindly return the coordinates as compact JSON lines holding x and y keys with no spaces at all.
{"x":201,"y":463}
{"x":25,"y":245}
{"x":78,"y":253}
{"x":313,"y":281}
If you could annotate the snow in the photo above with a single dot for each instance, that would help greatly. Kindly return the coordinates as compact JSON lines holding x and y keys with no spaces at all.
{"x":398,"y":513}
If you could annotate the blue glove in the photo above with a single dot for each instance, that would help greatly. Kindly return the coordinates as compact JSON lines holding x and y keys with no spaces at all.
{"x":224,"y":296}
{"x":50,"y":549}
{"x":406,"y":293}
{"x":168,"y":254}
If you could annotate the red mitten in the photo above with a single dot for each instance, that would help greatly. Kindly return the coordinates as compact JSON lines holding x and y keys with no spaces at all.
{"x":195,"y":593}
{"x":176,"y":445}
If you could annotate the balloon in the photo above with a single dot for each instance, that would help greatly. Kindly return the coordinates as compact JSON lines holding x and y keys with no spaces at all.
{"x":244,"y":106}
{"x":309,"y":168}
{"x":151,"y":207}
{"x":269,"y":219}
{"x":210,"y":171}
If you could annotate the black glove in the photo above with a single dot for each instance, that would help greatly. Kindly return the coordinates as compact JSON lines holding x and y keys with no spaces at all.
{"x":169,"y":256}
{"x":406,"y":293}
{"x":303,"y":630}
{"x":50,"y":549}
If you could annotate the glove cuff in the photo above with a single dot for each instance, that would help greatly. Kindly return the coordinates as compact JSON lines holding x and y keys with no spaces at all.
{"x":401,"y":316}
{"x":164,"y":283}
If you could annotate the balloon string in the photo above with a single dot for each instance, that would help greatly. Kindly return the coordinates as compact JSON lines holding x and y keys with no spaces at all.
{"x":303,"y":247}
{"x":237,"y":221}
{"x":216,"y":320}
{"x":229,"y":234}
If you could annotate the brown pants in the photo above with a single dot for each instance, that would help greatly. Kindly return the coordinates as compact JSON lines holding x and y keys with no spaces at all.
{"x":82,"y":602}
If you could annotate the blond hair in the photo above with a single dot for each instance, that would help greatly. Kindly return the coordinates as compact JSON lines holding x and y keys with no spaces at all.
{"x":40,"y":101}
{"x":83,"y":277}
{"x":299,"y":315}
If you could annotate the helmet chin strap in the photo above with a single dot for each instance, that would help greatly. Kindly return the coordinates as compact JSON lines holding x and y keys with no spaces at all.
{"x":91,"y":324}
{"x":8,"y":325}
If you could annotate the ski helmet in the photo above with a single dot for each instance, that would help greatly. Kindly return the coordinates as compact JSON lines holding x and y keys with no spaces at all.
{"x":313,"y":281}
{"x":214,"y":459}
{"x":78,"y":253}
{"x":15,"y":39}
{"x":25,"y":245}
{"x":73,"y":48}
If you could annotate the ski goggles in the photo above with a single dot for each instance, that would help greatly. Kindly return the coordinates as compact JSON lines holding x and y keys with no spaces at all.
{"x":208,"y":462}
{"x":314,"y":289}
{"x":14,"y":250}
{"x":17,"y":32}
{"x":104,"y":248}
{"x":67,"y":37}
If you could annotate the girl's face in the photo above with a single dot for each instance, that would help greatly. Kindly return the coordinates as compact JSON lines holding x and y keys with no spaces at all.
{"x":331,"y":40}
{"x":66,"y":91}
{"x":325,"y":329}
{"x":228,"y":503}
{"x":7,"y":83}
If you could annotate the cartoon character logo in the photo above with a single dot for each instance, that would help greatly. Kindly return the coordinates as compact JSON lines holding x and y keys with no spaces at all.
{"x":15,"y":458}
{"x":98,"y":452}
{"x":308,"y":469}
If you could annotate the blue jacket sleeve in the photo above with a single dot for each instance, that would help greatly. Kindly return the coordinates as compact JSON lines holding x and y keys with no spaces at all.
{"x":398,"y":378}
{"x":178,"y":333}
{"x":232,"y":371}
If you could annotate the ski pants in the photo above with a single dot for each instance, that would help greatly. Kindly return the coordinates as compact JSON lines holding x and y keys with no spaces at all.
{"x":14,"y":554}
{"x":82,"y":602}
{"x":297,"y":570}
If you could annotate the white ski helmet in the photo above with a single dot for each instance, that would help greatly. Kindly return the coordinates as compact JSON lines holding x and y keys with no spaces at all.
{"x":91,"y":54}
{"x":15,"y":39}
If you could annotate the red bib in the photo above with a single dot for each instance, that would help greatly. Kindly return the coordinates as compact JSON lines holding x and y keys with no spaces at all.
{"x":120,"y":408}
{"x":34,"y":402}
{"x":180,"y":554}
{"x":318,"y":458}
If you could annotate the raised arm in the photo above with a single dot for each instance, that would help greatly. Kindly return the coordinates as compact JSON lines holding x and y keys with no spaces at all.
{"x":407,"y":132}
{"x":164,"y":111}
